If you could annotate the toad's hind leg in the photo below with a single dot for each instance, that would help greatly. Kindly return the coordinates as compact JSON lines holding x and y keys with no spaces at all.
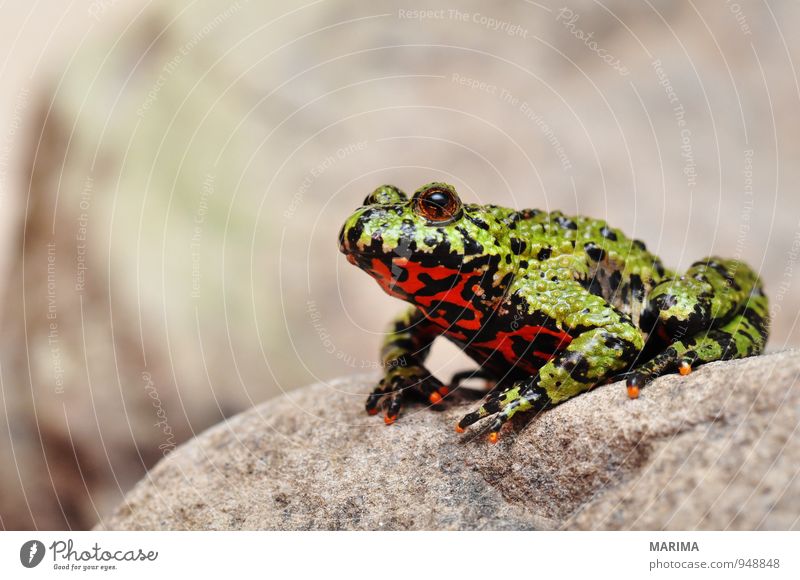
{"x":717,"y":311}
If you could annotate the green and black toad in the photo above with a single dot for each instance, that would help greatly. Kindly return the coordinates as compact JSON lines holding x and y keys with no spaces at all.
{"x":548,"y":305}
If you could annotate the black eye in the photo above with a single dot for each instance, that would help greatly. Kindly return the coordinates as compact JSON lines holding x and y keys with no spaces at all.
{"x":437,"y":204}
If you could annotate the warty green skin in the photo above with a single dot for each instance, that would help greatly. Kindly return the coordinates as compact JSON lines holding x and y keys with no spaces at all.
{"x":548,"y":305}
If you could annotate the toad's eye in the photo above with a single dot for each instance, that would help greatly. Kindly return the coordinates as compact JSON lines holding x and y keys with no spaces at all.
{"x":437,"y":204}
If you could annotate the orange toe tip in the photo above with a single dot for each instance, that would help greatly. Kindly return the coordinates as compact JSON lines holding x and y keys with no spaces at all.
{"x":444,"y":391}
{"x":372,"y":411}
{"x":633,"y":392}
{"x":685,"y":369}
{"x":389,"y":419}
{"x":435,"y":398}
{"x":459,"y":429}
{"x":493,"y":437}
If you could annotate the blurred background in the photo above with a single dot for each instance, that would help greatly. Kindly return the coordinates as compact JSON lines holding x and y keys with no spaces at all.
{"x":173,"y":176}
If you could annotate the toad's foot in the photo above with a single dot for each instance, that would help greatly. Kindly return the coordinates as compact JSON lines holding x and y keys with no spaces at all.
{"x":523,"y":396}
{"x":404,"y":380}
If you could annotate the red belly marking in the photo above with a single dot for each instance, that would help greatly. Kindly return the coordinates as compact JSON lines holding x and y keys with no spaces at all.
{"x":502,"y":342}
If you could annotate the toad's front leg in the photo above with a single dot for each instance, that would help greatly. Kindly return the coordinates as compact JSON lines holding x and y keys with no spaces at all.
{"x":590,"y":358}
{"x":405,"y":349}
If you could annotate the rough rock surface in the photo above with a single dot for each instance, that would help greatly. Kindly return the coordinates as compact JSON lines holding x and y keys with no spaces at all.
{"x":715,"y":450}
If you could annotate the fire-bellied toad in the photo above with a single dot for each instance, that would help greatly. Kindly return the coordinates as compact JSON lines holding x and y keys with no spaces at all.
{"x":548,"y":305}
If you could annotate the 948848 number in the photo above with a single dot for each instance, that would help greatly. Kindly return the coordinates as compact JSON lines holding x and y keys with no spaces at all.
{"x":758,"y":563}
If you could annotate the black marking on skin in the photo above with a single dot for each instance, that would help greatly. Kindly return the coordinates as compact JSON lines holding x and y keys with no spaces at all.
{"x":640,"y":244}
{"x":576,"y":365}
{"x":593,"y":286}
{"x":432,"y":286}
{"x":659,"y":268}
{"x":627,"y":348}
{"x":614,"y":280}
{"x":506,"y":280}
{"x":698,"y":320}
{"x":757,"y":321}
{"x":637,"y":288}
{"x":648,"y":318}
{"x":544,"y":254}
{"x":437,"y":258}
{"x":625,"y":319}
{"x":477,"y":221}
{"x":625,"y":293}
{"x":523,"y":264}
{"x":665,"y":301}
{"x":449,"y":311}
{"x":354,"y":233}
{"x":508,"y":258}
{"x":722,"y":271}
{"x":566,"y":223}
{"x":517,"y":246}
{"x":727,"y":342}
{"x":608,"y":234}
{"x":493,"y":262}
{"x":594,"y":251}
{"x":471,"y":246}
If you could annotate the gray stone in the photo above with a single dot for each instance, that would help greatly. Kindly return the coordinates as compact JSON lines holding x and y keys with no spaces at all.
{"x":714,"y":450}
